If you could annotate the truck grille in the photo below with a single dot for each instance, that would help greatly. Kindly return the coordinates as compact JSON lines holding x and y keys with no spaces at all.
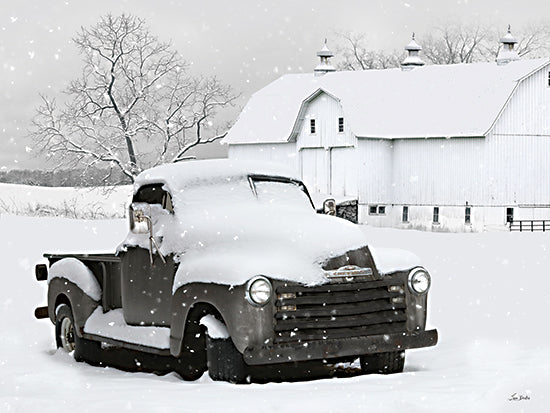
{"x":339,"y":310}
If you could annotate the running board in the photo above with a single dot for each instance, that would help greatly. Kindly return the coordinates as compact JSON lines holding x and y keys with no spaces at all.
{"x":111,"y":329}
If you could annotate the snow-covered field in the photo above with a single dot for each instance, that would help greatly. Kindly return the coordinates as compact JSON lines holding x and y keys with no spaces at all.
{"x":72,"y":202}
{"x":489,"y":300}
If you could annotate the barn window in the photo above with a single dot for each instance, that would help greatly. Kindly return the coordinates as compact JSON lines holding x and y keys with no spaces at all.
{"x":340,"y":125}
{"x":312,"y":126}
{"x":509,"y":215}
{"x":468,"y":215}
{"x":405,"y":214}
{"x":377,"y":210}
{"x":548,"y":78}
{"x":436,"y":215}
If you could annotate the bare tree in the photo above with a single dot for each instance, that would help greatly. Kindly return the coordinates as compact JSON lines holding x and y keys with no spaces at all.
{"x":355,"y":54}
{"x":533,"y":41}
{"x":134,"y":106}
{"x":446,"y":44}
{"x":455,"y":43}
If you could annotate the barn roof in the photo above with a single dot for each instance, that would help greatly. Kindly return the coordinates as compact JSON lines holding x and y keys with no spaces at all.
{"x":460,"y":100}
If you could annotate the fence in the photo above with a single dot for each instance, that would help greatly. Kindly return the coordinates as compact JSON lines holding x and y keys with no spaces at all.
{"x":530,"y":225}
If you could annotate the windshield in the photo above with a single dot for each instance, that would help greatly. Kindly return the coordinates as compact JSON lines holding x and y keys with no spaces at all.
{"x":281,"y":192}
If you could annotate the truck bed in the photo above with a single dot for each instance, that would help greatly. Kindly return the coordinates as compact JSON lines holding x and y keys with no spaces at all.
{"x":107,"y":270}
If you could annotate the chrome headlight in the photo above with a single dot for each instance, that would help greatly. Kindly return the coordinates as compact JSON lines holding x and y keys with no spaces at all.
{"x":419,"y":280}
{"x":258,"y":291}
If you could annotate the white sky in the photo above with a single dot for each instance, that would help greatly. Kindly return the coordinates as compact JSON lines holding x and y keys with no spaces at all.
{"x":245,"y":43}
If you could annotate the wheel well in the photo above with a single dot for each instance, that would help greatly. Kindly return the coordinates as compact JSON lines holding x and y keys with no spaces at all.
{"x":195,"y":314}
{"x":194,"y":339}
{"x":61,"y":299}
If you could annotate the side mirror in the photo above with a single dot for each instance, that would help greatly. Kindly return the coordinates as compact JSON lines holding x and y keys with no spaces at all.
{"x":329,"y":207}
{"x":140,"y":218}
{"x":141,"y":223}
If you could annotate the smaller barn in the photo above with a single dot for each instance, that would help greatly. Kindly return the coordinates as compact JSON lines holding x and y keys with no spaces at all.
{"x":462,"y":147}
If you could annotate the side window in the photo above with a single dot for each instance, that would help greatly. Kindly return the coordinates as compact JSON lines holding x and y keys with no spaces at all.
{"x":154,"y":194}
{"x":436,"y":215}
{"x":312,"y":126}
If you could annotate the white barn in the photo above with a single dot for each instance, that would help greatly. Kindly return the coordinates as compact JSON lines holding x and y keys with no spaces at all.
{"x":461,"y":147}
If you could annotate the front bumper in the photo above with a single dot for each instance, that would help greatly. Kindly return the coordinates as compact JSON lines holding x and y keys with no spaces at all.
{"x":336,"y":348}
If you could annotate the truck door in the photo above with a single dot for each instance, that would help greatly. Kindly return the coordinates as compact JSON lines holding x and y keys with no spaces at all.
{"x":147,"y":287}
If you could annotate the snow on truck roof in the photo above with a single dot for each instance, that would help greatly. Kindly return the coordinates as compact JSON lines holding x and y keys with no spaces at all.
{"x":184,"y":174}
{"x":460,"y":100}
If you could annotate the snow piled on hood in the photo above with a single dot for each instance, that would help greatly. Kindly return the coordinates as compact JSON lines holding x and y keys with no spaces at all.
{"x":388,"y":260}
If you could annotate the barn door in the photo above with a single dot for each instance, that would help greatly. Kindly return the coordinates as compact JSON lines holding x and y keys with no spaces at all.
{"x":314,"y":169}
{"x":343,"y":174}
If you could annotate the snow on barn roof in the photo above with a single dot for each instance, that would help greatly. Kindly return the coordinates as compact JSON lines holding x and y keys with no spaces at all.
{"x":460,"y":100}
{"x":178,"y":176}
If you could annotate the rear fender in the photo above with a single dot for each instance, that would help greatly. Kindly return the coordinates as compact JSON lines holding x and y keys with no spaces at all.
{"x":61,"y":290}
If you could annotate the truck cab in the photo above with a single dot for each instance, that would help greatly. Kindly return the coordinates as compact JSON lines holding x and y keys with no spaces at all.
{"x":228,"y":268}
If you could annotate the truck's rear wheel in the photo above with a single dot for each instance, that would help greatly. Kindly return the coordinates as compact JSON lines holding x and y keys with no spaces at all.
{"x":383,"y":363}
{"x":65,"y":334}
{"x":225,"y":362}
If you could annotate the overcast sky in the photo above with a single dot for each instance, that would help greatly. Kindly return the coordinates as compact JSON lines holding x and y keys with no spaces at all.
{"x":245,"y":43}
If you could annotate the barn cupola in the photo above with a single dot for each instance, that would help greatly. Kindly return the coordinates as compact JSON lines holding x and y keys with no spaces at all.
{"x":413,"y":59}
{"x":507,"y":54}
{"x":324,"y":66}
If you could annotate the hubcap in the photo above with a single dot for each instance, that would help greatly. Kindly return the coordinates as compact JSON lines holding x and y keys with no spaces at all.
{"x":67,"y":334}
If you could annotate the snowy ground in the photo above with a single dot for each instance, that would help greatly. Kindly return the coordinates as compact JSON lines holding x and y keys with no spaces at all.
{"x":72,"y":202}
{"x":489,"y":301}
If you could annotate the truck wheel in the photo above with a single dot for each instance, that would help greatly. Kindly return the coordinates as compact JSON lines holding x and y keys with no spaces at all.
{"x":65,"y":334}
{"x":383,"y":363}
{"x":224,"y":361}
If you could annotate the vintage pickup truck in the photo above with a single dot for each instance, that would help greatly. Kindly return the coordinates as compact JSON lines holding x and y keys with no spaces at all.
{"x":228,"y":268}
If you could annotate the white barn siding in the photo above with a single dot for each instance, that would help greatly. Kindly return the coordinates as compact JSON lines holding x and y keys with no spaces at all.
{"x":528,"y":111}
{"x":283,"y":153}
{"x":374,"y":171}
{"x":438,"y":171}
{"x":325,"y":110}
{"x":314,"y":170}
{"x":518,"y":148}
{"x":518,"y":170}
{"x":327,"y":159}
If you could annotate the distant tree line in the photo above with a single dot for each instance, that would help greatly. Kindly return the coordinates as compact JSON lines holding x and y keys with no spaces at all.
{"x":78,"y":177}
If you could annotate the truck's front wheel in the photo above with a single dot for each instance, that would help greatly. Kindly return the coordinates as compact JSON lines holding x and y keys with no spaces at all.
{"x":225,"y":363}
{"x":65,"y":334}
{"x":383,"y":363}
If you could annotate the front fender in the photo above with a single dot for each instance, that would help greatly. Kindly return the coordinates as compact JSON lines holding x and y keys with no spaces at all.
{"x":247,"y":325}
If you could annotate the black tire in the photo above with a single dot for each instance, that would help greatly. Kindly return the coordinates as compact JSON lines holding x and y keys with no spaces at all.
{"x":78,"y":345}
{"x":224,"y":361}
{"x":383,"y":363}
{"x":65,"y":329}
